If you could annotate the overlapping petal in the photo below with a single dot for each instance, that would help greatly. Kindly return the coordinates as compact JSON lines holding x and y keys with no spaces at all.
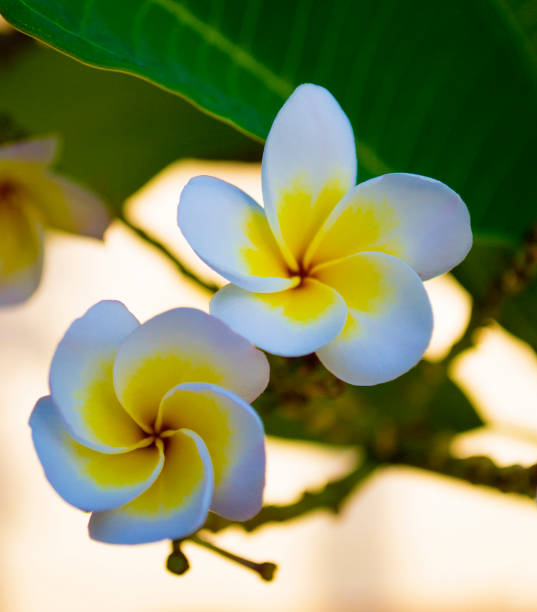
{"x":294,"y":322}
{"x":234,"y":436}
{"x":68,"y":206}
{"x":184,"y":345}
{"x":417,"y":219}
{"x":230,"y":232}
{"x":21,"y":252}
{"x":174,"y":506}
{"x":63,"y":204}
{"x":389,"y":320}
{"x":85,"y":478}
{"x":309,"y":164}
{"x":81,"y":379}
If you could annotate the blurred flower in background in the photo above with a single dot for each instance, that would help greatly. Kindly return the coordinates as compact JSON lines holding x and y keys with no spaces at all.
{"x":33,"y":198}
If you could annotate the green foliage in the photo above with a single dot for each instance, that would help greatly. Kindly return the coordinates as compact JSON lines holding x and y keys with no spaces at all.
{"x":446,"y":89}
{"x":306,"y":402}
{"x":117,"y":131}
{"x":503,"y":282}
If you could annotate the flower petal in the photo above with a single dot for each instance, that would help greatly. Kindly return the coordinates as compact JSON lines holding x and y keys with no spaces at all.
{"x":309,"y":164}
{"x":389,"y":322}
{"x":86,"y":478}
{"x":416,"y":219}
{"x":38,"y":150}
{"x":175,"y":505}
{"x":230,"y":232}
{"x":184,"y":345}
{"x":293,"y":322}
{"x":21,"y":252}
{"x":234,"y":436}
{"x":81,"y":379}
{"x":69,"y":207}
{"x":64,"y":204}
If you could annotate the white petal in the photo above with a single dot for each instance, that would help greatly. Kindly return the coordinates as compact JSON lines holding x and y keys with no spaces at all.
{"x":293,"y":322}
{"x":63,"y":204}
{"x":70,"y":207}
{"x":38,"y":150}
{"x":234,"y":436}
{"x":85,"y":478}
{"x":411,"y":217}
{"x":81,"y":379}
{"x":175,"y":506}
{"x":309,"y":164}
{"x":389,"y":322}
{"x":230,"y":232}
{"x":184,"y":345}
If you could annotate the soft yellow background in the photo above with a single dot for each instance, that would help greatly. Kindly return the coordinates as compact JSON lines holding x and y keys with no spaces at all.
{"x":406,"y":541}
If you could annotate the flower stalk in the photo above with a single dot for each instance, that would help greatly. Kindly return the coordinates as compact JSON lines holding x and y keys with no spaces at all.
{"x":164,"y":250}
{"x":264,"y":570}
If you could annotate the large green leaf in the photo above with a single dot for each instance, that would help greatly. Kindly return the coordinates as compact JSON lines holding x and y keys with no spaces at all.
{"x":446,"y":89}
{"x":117,"y":131}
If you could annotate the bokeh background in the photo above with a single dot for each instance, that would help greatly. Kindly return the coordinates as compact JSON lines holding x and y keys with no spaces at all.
{"x":406,"y":541}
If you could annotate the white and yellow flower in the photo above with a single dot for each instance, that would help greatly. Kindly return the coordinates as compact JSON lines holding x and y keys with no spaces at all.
{"x":149,"y":427}
{"x":327,"y":266}
{"x":33,"y":198}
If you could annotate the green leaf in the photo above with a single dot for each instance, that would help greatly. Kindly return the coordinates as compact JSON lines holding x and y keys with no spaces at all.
{"x":423,"y":400}
{"x":117,"y":132}
{"x":305,"y":402}
{"x":445,"y":89}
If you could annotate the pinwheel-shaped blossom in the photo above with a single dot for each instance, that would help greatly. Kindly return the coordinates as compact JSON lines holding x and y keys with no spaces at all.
{"x":33,"y":198}
{"x":327,"y":266}
{"x":148,"y":426}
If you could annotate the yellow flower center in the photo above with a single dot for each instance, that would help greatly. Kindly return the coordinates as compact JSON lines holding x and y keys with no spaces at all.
{"x":301,"y":271}
{"x":304,"y":270}
{"x":158,"y":433}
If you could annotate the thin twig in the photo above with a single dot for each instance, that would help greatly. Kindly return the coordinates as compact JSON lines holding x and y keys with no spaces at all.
{"x":330,"y":497}
{"x":509,"y":282}
{"x":478,"y":470}
{"x":155,"y":243}
{"x":265,"y":570}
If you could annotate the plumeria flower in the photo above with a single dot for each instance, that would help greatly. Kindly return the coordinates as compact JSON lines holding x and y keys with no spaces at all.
{"x":149,"y":427}
{"x":33,"y":198}
{"x":326,"y":265}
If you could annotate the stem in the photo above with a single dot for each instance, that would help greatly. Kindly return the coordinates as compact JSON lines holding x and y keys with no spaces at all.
{"x":477,"y":470}
{"x":211,"y":287}
{"x":330,"y":497}
{"x":433,"y":456}
{"x":511,"y":281}
{"x":264,"y":570}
